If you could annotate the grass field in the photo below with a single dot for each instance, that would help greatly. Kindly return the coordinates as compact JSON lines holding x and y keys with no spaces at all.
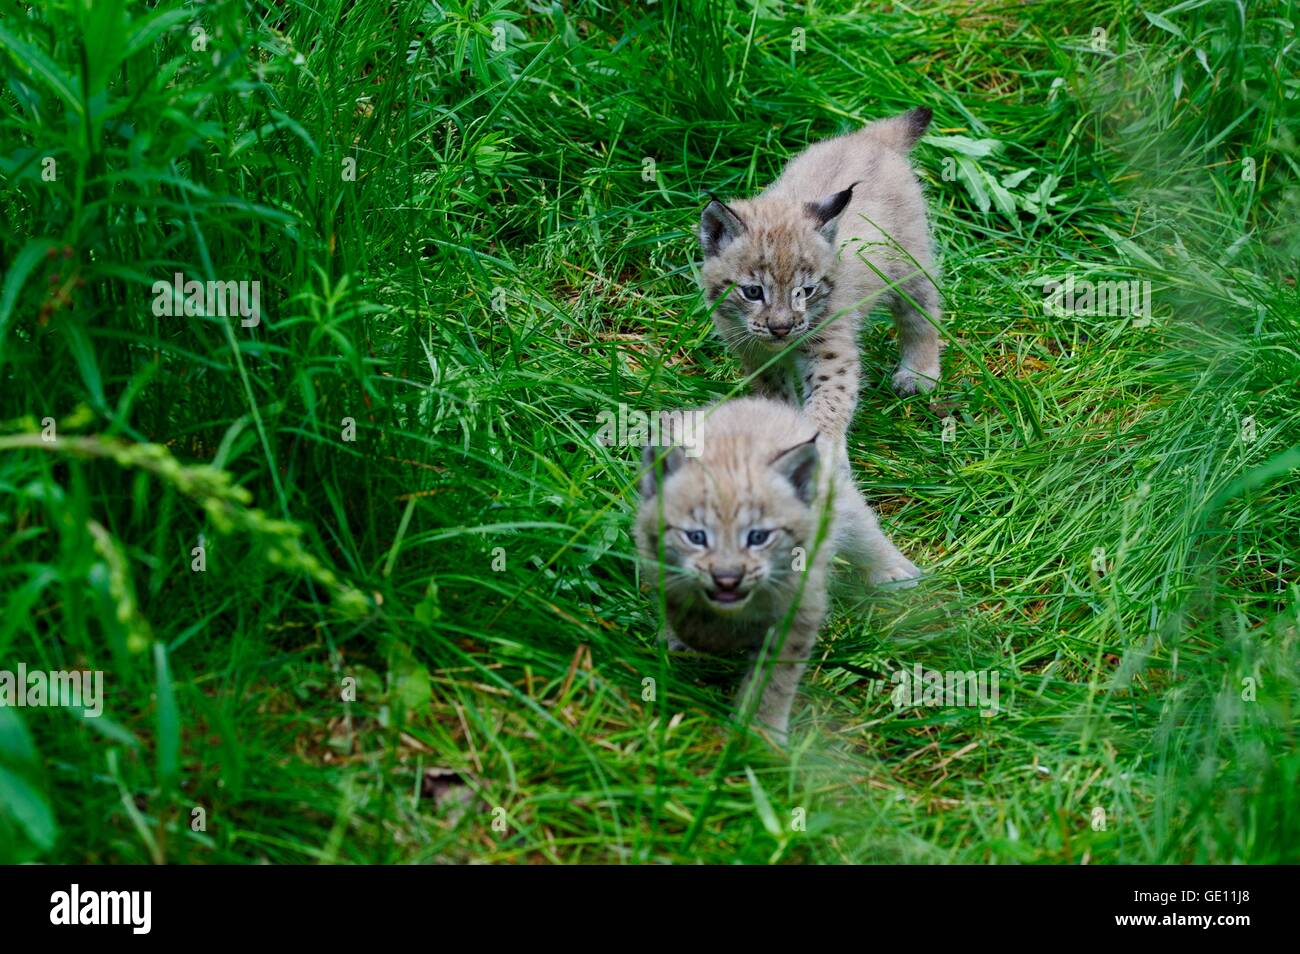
{"x":418,"y":632}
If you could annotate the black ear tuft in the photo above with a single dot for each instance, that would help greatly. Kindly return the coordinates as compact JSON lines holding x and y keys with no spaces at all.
{"x":918,"y":121}
{"x":798,"y":465}
{"x":719,"y":227}
{"x":826,"y":211}
{"x":656,"y":464}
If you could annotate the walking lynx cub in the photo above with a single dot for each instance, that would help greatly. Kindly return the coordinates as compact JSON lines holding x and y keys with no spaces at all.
{"x":797,"y":267}
{"x":734,"y":538}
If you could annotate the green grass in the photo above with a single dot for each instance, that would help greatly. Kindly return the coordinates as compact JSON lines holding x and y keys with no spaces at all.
{"x":498,"y":273}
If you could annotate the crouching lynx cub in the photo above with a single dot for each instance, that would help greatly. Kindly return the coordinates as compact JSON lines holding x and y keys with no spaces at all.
{"x":841,"y":230}
{"x":734,"y":538}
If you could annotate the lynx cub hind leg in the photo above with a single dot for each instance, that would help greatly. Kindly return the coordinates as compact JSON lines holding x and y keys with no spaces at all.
{"x":918,"y":336}
{"x":862,"y":541}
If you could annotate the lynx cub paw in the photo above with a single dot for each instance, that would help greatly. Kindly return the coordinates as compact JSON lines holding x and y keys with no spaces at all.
{"x":898,"y":573}
{"x":673,"y":644}
{"x":908,"y":381}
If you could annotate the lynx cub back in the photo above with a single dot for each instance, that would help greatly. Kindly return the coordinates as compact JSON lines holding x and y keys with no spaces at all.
{"x":794,"y":269}
{"x":732,"y":537}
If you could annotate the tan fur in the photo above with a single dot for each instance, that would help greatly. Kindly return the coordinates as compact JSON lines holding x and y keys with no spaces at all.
{"x":755,"y":455}
{"x":875,"y":249}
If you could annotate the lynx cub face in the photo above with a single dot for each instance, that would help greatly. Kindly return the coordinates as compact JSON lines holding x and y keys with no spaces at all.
{"x":730,"y":521}
{"x":770,"y":265}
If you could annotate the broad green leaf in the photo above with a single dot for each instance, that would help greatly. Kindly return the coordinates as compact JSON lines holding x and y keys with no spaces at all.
{"x":16,"y":277}
{"x":104,"y":25}
{"x":22,"y":802}
{"x":1003,"y":199}
{"x":33,"y":62}
{"x":965,"y":146}
{"x":83,"y":353}
{"x":16,"y":748}
{"x":412,"y":687}
{"x":147,"y":29}
{"x":1013,"y":180}
{"x":1168,"y":26}
{"x":969,"y":172}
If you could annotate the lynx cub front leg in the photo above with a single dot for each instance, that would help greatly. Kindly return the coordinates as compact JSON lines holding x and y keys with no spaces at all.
{"x":831,"y":370}
{"x":866,"y":545}
{"x":671,"y":640}
{"x":779,"y":674}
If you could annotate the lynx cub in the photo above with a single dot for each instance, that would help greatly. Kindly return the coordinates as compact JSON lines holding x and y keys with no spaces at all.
{"x":797,"y":267}
{"x":738,"y":529}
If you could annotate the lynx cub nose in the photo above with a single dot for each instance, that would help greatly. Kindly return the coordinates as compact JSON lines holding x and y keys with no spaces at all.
{"x":727,"y":579}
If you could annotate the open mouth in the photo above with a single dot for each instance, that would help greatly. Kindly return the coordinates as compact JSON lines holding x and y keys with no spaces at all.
{"x":728,"y":597}
{"x":781,"y":340}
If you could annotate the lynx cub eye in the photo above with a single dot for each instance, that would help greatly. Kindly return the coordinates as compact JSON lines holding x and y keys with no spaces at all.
{"x":758,"y":537}
{"x":752,"y":292}
{"x":697,"y":537}
{"x":809,"y":291}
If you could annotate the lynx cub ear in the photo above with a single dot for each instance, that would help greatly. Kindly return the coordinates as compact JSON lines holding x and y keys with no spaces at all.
{"x":826,"y":212}
{"x":798,"y":465}
{"x":653,"y":459}
{"x":719,"y":227}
